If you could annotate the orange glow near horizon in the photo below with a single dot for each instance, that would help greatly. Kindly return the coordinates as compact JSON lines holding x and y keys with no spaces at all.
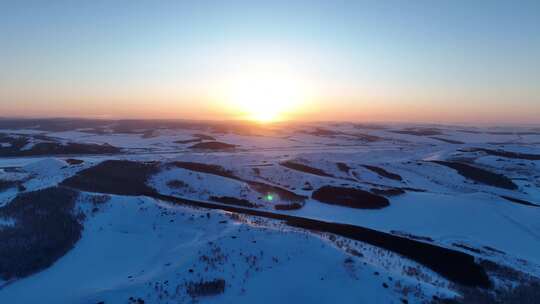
{"x":264,"y":92}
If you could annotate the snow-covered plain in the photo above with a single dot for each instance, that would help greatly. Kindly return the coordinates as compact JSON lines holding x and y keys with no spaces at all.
{"x":139,"y":248}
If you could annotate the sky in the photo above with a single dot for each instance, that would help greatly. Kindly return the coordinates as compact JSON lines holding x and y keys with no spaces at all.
{"x":414,"y":61}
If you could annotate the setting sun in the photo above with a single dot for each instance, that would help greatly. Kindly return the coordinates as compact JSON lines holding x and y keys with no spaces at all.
{"x":266,"y":93}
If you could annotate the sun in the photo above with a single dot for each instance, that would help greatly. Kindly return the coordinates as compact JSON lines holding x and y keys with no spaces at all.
{"x":266,"y":94}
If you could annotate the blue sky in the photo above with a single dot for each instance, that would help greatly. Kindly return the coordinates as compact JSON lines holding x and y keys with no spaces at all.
{"x":365,"y":59}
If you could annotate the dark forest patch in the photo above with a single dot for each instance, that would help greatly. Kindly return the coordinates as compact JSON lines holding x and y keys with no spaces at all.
{"x":304,"y":168}
{"x":70,"y":148}
{"x":412,"y":236}
{"x":45,"y":229}
{"x":469,"y":131}
{"x":516,"y":133}
{"x":205,"y":288}
{"x":419,"y":131}
{"x":291,"y":206}
{"x":187,"y":141}
{"x":507,"y":154}
{"x":51,"y":124}
{"x":53,"y":148}
{"x":343,"y":167}
{"x":116,"y":177}
{"x":493,"y":249}
{"x":349,"y":197}
{"x":333,"y":134}
{"x":413,"y":189}
{"x":323,"y":132}
{"x":514,"y":287}
{"x":480,"y":175}
{"x":233,"y":201}
{"x":73,"y":161}
{"x":8,"y":184}
{"x":213,"y":145}
{"x":366,"y":137}
{"x":446,"y":140}
{"x":370,"y":126}
{"x":382,"y":172}
{"x":467,"y":247}
{"x":519,"y":201}
{"x":307,"y":187}
{"x":388,"y":192}
{"x":177,"y":184}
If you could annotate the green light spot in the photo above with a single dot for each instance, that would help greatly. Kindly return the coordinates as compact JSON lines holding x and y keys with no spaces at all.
{"x":269,"y":197}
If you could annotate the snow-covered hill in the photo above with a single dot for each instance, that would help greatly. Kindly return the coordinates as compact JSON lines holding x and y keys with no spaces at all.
{"x":302,"y":213}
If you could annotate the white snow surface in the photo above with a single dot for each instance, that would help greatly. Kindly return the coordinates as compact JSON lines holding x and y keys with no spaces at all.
{"x":142,"y":248}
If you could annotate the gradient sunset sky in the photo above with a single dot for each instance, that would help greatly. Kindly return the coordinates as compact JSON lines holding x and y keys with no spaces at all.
{"x":429,"y":61}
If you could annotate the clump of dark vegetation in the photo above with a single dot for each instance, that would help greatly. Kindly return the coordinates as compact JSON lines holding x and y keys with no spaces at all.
{"x":73,"y":148}
{"x":467,"y":247}
{"x":412,"y":236}
{"x":8,"y":184}
{"x":369,"y":126}
{"x":413,"y":189}
{"x":514,"y":287}
{"x":450,"y":141}
{"x":116,"y":177}
{"x":382,"y":172}
{"x":519,"y":201}
{"x":233,"y":201}
{"x":519,"y":133}
{"x":323,"y":132}
{"x":350,"y":197}
{"x":304,"y":168}
{"x":493,"y":249}
{"x":132,"y":300}
{"x":419,"y":131}
{"x":187,"y":141}
{"x":98,"y":199}
{"x":73,"y":161}
{"x":213,"y":145}
{"x":480,"y":175}
{"x":53,"y":125}
{"x":205,"y":288}
{"x":388,"y":192}
{"x":343,"y":167}
{"x":506,"y":154}
{"x":52,"y":148}
{"x":333,"y":134}
{"x":365,"y":137}
{"x":45,"y":229}
{"x":469,"y":131}
{"x":291,"y":206}
{"x":177,"y":184}
{"x":307,"y":187}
